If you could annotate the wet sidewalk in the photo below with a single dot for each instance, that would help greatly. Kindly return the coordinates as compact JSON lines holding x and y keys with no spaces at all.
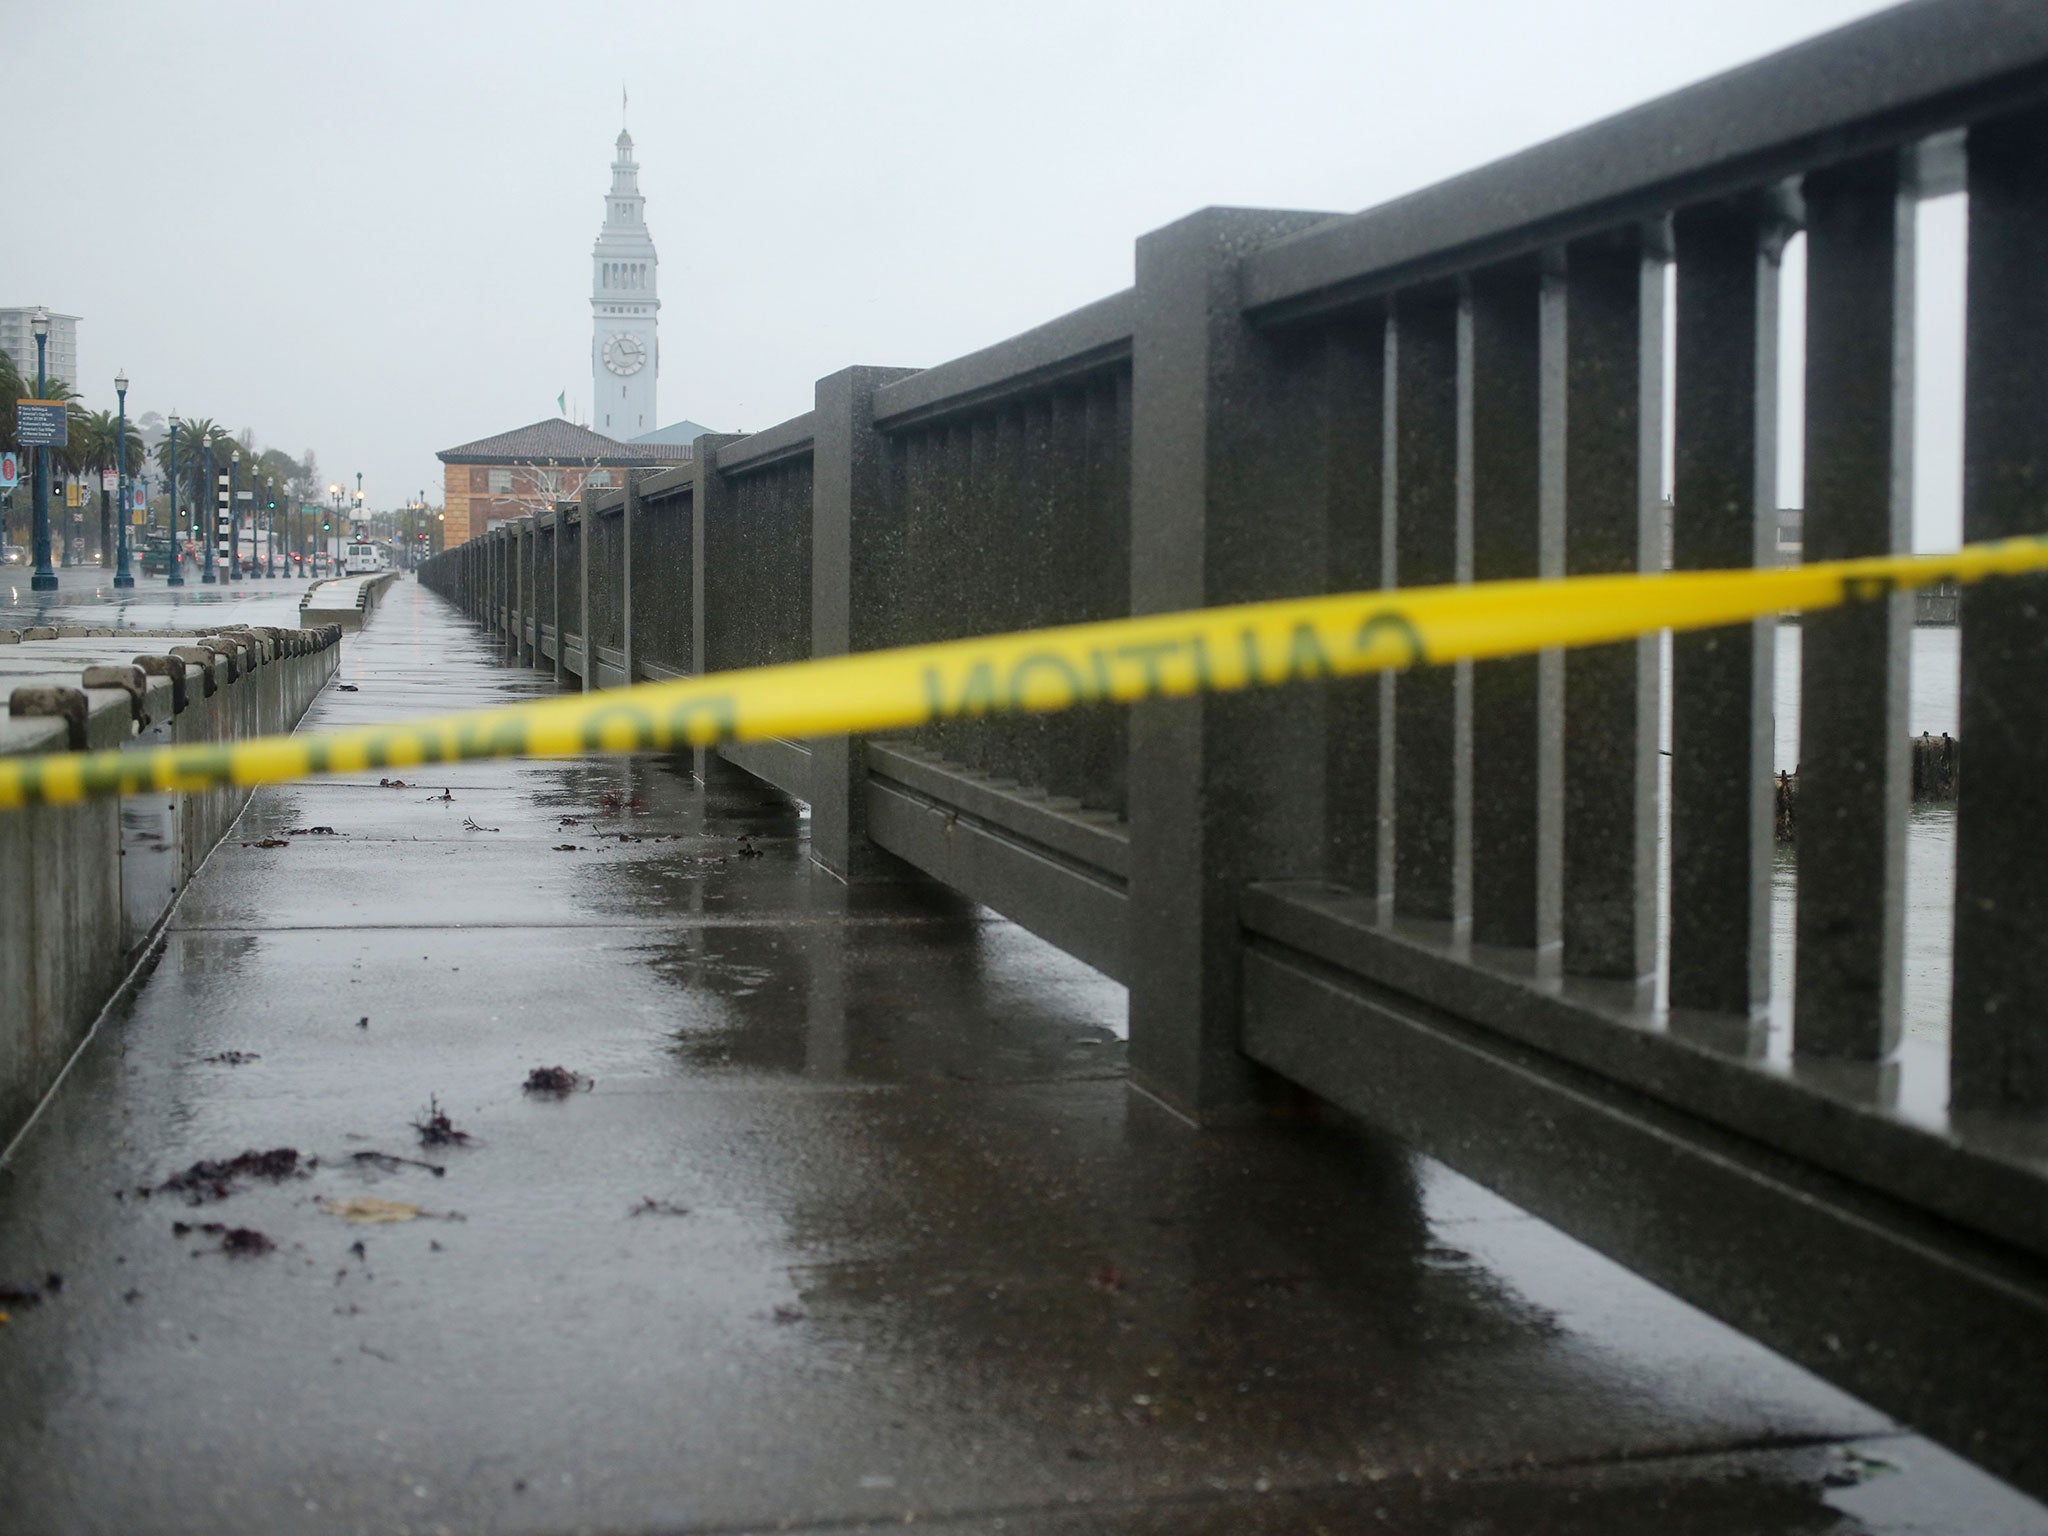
{"x":849,"y":1222}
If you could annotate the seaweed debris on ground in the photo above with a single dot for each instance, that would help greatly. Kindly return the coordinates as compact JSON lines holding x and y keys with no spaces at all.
{"x":556,"y":1082}
{"x":649,"y":1206}
{"x":217,"y":1178}
{"x":436,"y":1129}
{"x":235,"y":1242}
{"x":321,"y":831}
{"x":391,"y":1162}
{"x":235,"y":1058}
{"x":21,"y":1297}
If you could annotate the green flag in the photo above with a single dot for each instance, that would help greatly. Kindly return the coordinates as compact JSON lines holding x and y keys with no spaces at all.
{"x":562,"y":402}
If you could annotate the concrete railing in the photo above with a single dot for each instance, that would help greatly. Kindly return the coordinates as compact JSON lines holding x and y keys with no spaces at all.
{"x":1434,"y":900}
{"x":85,"y":888}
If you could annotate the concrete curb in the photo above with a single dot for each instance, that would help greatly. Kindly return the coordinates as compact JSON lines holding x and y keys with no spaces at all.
{"x":84,"y":888}
{"x":345,"y":600}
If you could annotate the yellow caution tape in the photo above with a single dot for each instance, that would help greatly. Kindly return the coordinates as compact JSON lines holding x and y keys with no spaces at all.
{"x":1211,"y":650}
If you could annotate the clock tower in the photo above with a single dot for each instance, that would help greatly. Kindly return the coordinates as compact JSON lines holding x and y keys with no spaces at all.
{"x":624,"y":303}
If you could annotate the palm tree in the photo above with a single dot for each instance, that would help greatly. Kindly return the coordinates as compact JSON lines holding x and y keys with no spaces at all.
{"x":61,"y":461}
{"x":14,"y":387}
{"x":87,"y":453}
{"x":95,"y":449}
{"x":195,"y":435}
{"x":11,"y":389}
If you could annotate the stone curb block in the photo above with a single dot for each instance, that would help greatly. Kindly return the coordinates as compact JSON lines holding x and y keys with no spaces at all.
{"x":127,"y":676}
{"x":174,"y":669}
{"x":201,"y":656}
{"x":67,"y":704}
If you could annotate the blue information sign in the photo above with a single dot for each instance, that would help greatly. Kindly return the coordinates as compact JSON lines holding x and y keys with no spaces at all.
{"x":41,"y":424}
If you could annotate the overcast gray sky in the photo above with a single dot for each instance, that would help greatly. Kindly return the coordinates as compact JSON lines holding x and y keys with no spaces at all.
{"x":890,"y":183}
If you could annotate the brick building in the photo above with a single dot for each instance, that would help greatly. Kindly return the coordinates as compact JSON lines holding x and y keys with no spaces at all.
{"x":496,"y":479}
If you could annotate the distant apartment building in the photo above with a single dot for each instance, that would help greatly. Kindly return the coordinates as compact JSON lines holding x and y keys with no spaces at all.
{"x":18,"y":341}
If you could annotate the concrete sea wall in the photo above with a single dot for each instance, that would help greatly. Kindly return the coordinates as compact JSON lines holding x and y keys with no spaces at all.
{"x":84,"y":888}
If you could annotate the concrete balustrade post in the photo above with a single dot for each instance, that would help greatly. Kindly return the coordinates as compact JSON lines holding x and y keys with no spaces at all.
{"x":529,"y":630}
{"x":560,"y":526}
{"x":1225,"y":424}
{"x":629,"y":513}
{"x":711,"y":498}
{"x":858,"y":564}
{"x":508,"y":585}
{"x":586,"y":528}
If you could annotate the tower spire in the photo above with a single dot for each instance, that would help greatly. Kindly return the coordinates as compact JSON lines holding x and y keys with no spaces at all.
{"x":625,"y":304}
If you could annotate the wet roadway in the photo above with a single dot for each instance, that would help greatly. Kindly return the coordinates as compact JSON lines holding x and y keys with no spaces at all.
{"x":86,"y":594}
{"x":855,"y":1224}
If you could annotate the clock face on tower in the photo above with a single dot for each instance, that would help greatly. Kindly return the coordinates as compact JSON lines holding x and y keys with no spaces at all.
{"x":624,"y":354}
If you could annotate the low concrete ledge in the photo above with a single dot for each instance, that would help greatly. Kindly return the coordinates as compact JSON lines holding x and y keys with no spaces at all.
{"x":84,"y":888}
{"x":345,"y":600}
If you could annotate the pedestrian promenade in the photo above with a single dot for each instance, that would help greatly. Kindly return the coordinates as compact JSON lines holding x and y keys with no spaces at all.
{"x":841,"y":1217}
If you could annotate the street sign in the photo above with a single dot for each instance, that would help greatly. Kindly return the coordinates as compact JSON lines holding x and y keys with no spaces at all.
{"x":10,"y":471}
{"x":41,"y":424}
{"x":110,"y":480}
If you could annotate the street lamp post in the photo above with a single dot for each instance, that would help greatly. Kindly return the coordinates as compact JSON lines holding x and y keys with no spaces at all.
{"x":235,"y":517}
{"x":334,"y":492}
{"x":175,"y":576}
{"x":44,"y":579}
{"x":123,"y":577}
